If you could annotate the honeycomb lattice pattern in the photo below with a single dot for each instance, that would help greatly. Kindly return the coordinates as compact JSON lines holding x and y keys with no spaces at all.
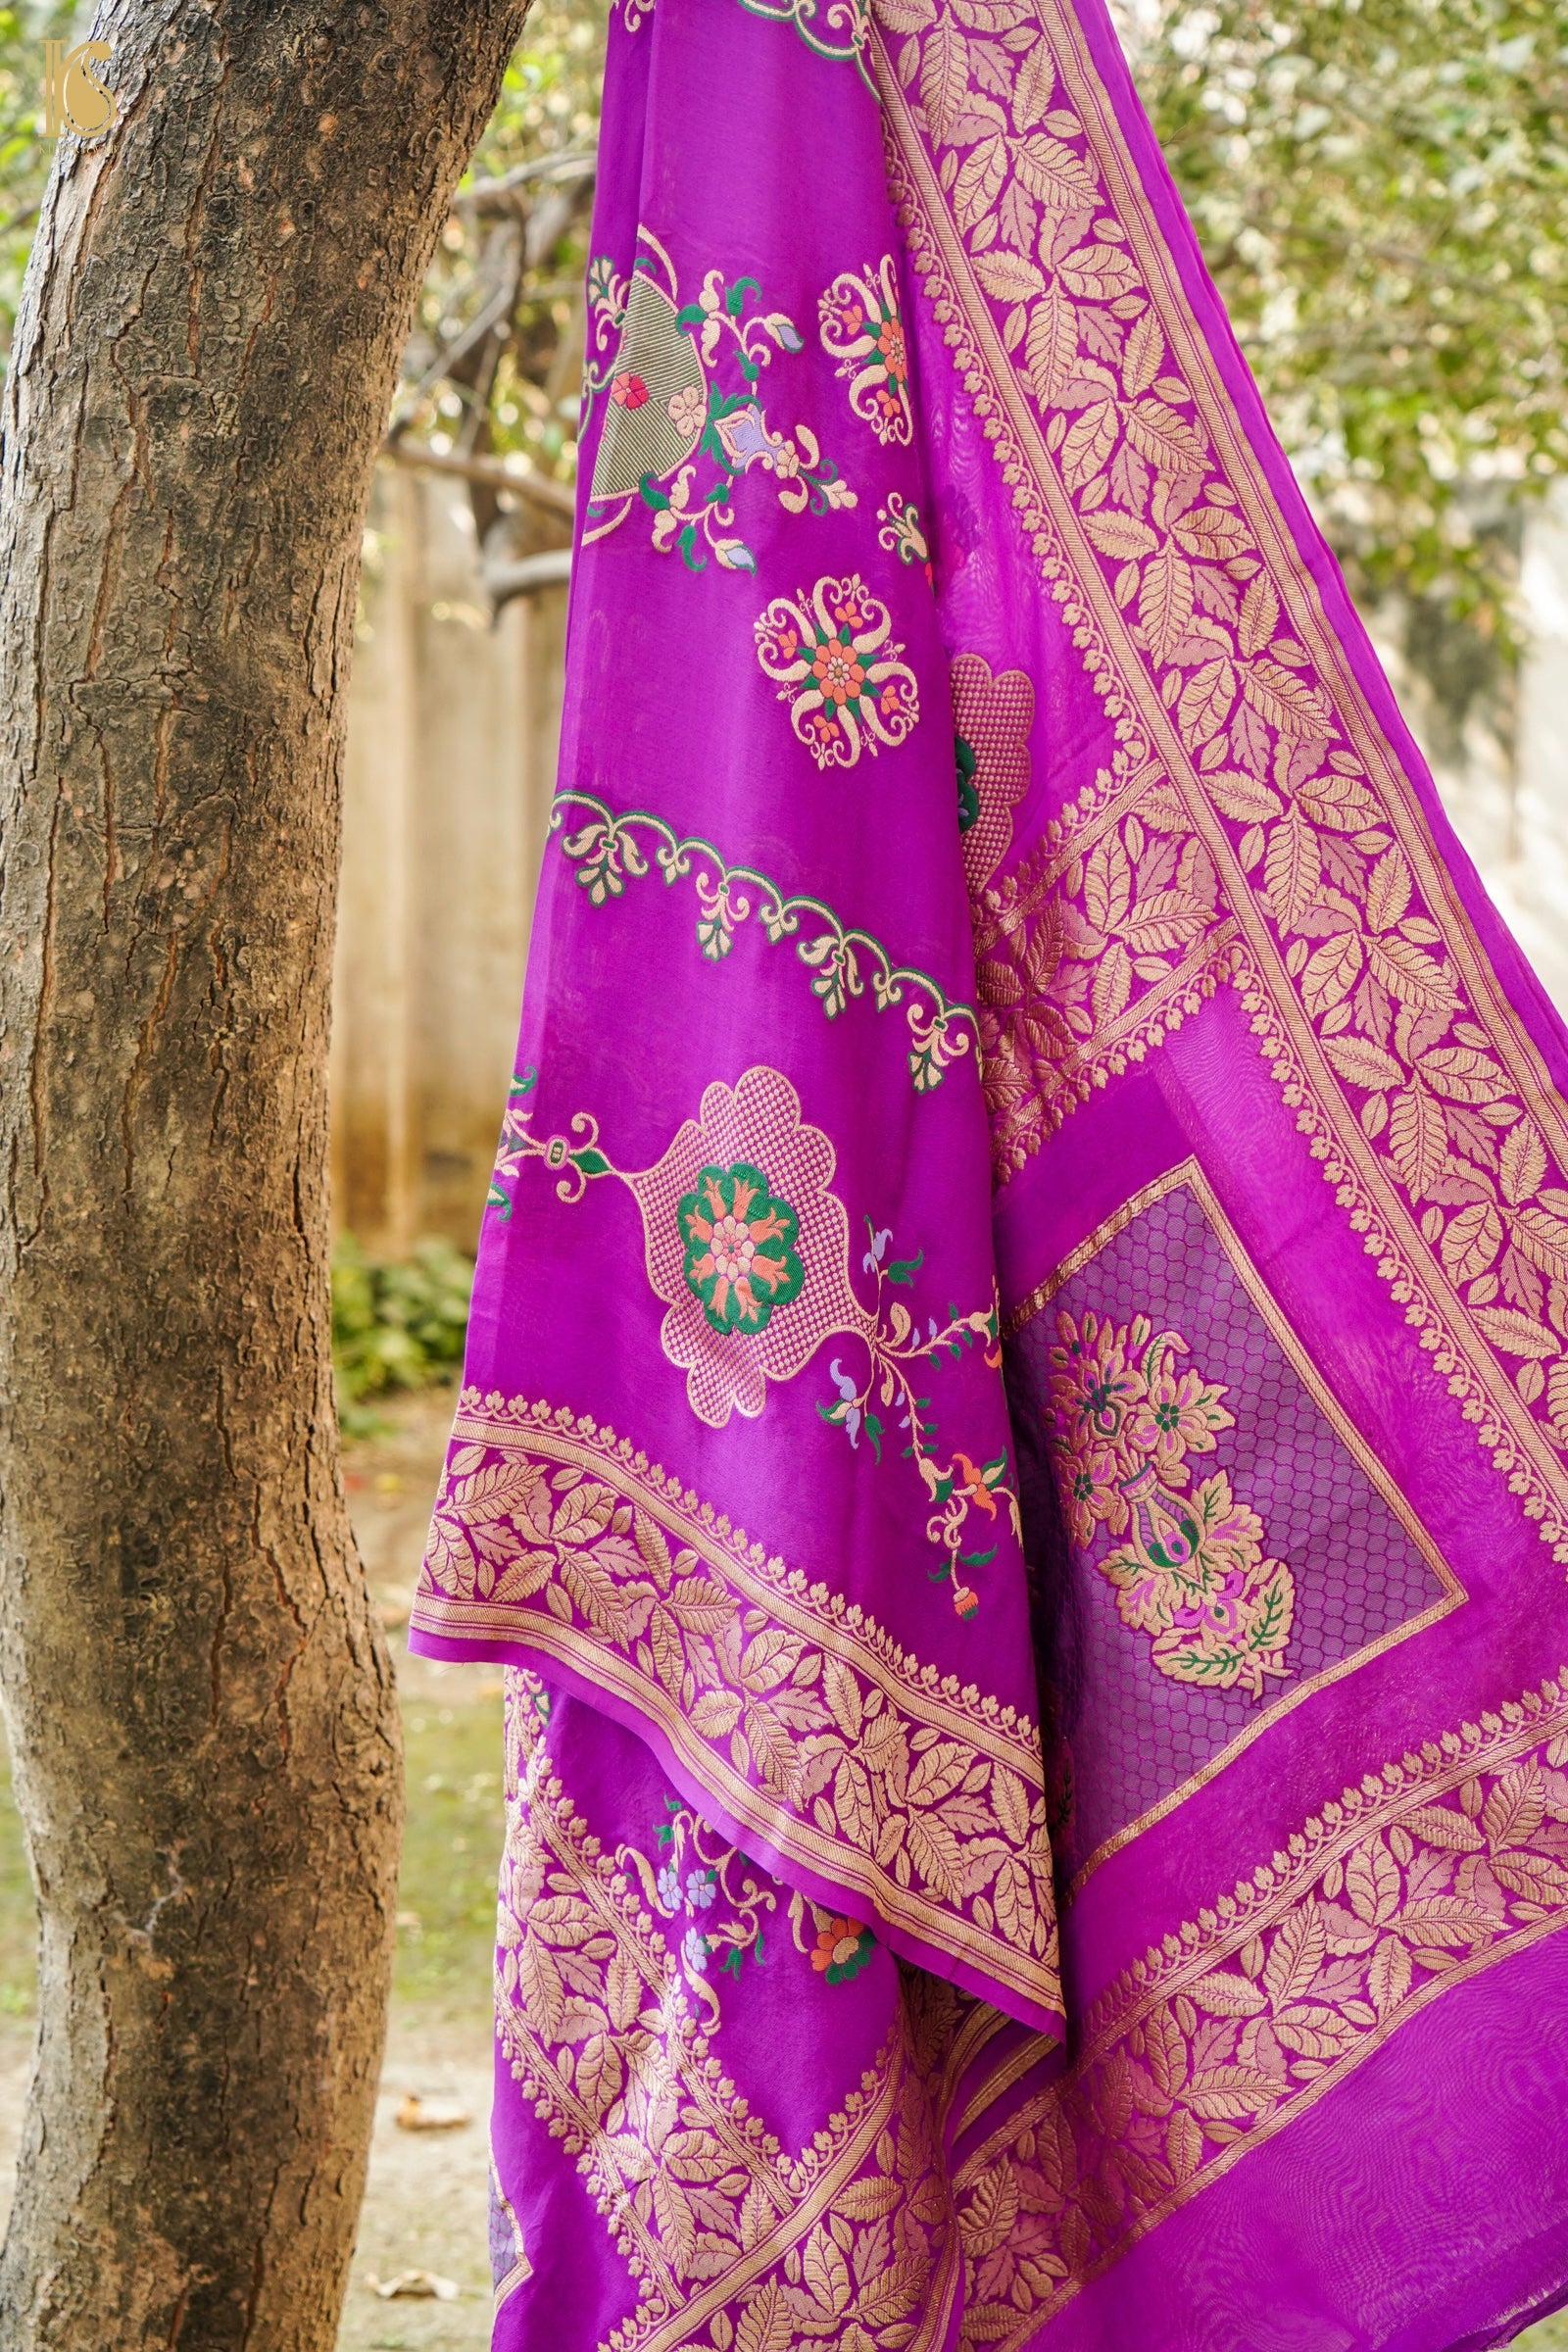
{"x":1134,"y":1735}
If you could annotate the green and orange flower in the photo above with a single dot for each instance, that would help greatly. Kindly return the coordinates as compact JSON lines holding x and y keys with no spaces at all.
{"x":741,"y":1260}
{"x":842,"y":1949}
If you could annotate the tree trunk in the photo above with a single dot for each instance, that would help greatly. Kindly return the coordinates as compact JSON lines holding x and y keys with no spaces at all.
{"x":200,"y":1703}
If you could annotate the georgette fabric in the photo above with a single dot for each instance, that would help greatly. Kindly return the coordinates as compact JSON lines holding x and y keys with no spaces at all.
{"x":1015,"y":1415}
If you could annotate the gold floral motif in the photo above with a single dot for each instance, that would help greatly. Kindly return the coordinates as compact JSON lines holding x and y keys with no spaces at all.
{"x":1185,"y":629}
{"x":727,"y":2238}
{"x":1438,"y":1867}
{"x":921,"y":1798}
{"x":1122,"y":1420}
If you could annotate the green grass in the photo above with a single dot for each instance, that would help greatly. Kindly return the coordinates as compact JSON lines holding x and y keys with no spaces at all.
{"x":451,"y":1852}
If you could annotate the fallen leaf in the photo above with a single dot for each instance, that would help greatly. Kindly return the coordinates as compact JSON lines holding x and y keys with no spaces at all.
{"x":427,"y":2283}
{"x":430,"y":2115}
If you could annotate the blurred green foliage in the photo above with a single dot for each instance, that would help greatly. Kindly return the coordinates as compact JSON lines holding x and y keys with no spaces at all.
{"x":396,"y":1323}
{"x":1381,"y":188}
{"x":527,"y":398}
{"x":25,"y":153}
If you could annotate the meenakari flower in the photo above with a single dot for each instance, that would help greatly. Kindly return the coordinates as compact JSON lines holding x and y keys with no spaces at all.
{"x":702,"y":1887}
{"x":687,"y":408}
{"x":694,"y":1951}
{"x":741,"y":1259}
{"x":862,"y":329}
{"x":628,"y":391}
{"x":846,"y":688}
{"x":842,"y":1949}
{"x":728,"y":1348}
{"x":668,"y":1885}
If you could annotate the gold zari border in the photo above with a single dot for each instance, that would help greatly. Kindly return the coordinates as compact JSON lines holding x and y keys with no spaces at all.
{"x":808,"y":1724}
{"x":1421,"y":1096}
{"x":1443,"y":1864}
{"x":710,"y":2213}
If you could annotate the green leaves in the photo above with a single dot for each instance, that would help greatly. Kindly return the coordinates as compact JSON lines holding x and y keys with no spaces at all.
{"x":1380,"y":193}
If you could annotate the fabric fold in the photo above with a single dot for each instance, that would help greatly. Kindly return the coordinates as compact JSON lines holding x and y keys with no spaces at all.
{"x":1019,"y":1356}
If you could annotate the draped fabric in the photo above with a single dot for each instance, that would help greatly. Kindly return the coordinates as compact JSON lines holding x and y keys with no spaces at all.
{"x":1013,"y":1436}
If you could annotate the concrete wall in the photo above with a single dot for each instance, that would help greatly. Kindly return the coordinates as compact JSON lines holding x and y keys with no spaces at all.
{"x":452,"y":739}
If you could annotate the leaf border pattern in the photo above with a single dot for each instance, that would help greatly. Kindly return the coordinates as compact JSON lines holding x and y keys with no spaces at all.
{"x":1445,"y":1863}
{"x":1464,"y":1130}
{"x":719,"y":2227}
{"x":799,"y":1714}
{"x":605,"y":854}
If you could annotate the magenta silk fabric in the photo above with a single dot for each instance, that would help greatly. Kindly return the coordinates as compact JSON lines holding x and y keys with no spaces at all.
{"x":1014,"y":1421}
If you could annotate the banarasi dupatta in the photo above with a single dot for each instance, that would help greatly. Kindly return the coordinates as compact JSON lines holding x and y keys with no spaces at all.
{"x":1014,"y":1426}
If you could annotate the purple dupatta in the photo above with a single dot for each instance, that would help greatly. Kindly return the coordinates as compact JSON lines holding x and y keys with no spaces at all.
{"x":1016,"y":1371}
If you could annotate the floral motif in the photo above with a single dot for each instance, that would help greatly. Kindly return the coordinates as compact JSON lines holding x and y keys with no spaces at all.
{"x":992,"y":718}
{"x":725,"y":1252}
{"x":846,"y":688}
{"x":609,"y":2036}
{"x":922,"y":1801}
{"x":863,"y":329}
{"x":1121,"y":1421}
{"x":903,"y":533}
{"x":709,"y":1887}
{"x":605,"y":852}
{"x":741,"y":1129}
{"x":658,"y":361}
{"x":1368,"y":1005}
{"x":1442,"y":1864}
{"x":740,"y":1259}
{"x":842,"y":1949}
{"x":895,"y":1350}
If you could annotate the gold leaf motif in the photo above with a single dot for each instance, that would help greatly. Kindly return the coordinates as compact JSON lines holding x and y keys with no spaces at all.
{"x":1165,"y":602}
{"x":1206,"y":701}
{"x":1418,"y":1139}
{"x":1089,"y":442}
{"x":1008,"y":276}
{"x":1058,"y":178}
{"x":1518,"y":1334}
{"x":1522,"y":1162}
{"x":1472,"y":1240}
{"x":943,"y":77}
{"x":1293,"y":868}
{"x":979,"y":183}
{"x":1363,"y":1063}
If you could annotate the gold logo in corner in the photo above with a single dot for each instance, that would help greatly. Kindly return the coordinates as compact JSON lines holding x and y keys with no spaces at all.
{"x":74,"y":97}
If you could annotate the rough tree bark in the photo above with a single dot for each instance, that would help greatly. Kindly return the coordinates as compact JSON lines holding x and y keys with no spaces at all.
{"x":199,"y":1701}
